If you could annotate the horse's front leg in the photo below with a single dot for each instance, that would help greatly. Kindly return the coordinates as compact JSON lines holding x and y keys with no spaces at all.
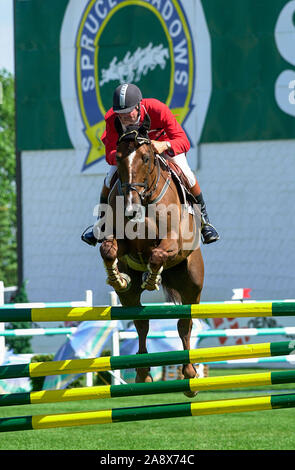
{"x":142,"y":327}
{"x":167,"y":249}
{"x":109,"y":252}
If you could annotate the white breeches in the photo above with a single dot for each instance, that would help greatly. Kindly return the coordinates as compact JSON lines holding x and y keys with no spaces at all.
{"x":179,"y":160}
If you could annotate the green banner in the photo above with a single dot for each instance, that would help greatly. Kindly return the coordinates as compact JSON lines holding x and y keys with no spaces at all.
{"x":40,"y":117}
{"x":67,"y":51}
{"x":246,"y":64}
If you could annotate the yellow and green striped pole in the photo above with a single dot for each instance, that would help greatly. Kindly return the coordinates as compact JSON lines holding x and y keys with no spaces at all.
{"x":116,"y":415}
{"x":78,"y":366}
{"x":232,"y":310}
{"x":173,"y":386}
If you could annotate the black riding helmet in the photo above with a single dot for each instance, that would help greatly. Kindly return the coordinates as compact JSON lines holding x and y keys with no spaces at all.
{"x":126,"y":97}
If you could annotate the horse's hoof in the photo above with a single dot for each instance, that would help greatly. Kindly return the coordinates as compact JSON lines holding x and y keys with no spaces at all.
{"x":190,"y":393}
{"x":151,"y":281}
{"x":143,"y":375}
{"x":147,"y":379}
{"x":121,"y":283}
{"x":128,"y":283}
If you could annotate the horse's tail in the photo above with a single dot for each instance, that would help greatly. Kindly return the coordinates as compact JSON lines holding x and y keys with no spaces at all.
{"x":172,"y":295}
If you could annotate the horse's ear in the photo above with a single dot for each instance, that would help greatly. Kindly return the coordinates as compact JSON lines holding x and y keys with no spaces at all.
{"x":146,"y":125}
{"x":118,"y":126}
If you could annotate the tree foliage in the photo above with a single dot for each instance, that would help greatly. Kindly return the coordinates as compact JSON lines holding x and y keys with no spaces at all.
{"x":19,"y":344}
{"x":8,"y":252}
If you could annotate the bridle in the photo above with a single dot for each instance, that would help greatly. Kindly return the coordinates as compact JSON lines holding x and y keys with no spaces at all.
{"x":146,"y":194}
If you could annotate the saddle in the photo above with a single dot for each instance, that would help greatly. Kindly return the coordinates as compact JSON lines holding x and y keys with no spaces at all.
{"x":181,"y":183}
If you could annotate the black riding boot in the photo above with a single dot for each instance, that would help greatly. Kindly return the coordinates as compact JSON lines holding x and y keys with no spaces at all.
{"x":209,"y":233}
{"x":88,"y":234}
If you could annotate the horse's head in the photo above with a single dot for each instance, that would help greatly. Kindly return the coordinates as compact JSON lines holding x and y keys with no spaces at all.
{"x":136,"y":162}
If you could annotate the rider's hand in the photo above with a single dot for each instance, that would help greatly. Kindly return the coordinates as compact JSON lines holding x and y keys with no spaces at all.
{"x":159,"y":146}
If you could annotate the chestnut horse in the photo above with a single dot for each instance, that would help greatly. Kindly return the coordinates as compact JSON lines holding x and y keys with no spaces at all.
{"x":169,"y":255}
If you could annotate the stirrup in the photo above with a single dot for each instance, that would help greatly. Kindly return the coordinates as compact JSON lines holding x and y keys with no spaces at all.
{"x":88,"y":237}
{"x":211,"y":236}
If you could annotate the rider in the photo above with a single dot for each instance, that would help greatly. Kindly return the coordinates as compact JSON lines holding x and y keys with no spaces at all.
{"x":167,"y":137}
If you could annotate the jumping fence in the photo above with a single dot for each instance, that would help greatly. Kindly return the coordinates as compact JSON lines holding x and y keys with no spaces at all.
{"x":60,"y":312}
{"x":223,"y":353}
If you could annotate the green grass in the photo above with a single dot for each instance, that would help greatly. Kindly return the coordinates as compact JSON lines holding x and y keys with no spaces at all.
{"x":258,"y":430}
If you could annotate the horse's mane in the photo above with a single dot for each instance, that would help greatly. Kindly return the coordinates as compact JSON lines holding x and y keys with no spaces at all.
{"x":131,"y":132}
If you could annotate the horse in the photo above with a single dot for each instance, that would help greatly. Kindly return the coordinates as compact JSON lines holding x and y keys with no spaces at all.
{"x":137,"y":262}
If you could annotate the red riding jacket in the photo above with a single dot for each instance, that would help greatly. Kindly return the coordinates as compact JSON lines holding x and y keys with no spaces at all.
{"x":163,"y":127}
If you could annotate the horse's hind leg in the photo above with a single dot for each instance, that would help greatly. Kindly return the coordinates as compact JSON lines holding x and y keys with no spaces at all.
{"x":187,"y":280}
{"x":131,"y":298}
{"x":142,"y":327}
{"x":188,"y":370}
{"x":190,"y":294}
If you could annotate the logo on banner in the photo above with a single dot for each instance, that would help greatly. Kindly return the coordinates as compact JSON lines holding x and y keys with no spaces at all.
{"x":144,"y":42}
{"x":285,"y":37}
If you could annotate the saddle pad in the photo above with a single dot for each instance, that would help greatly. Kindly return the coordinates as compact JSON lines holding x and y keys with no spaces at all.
{"x":182,"y":185}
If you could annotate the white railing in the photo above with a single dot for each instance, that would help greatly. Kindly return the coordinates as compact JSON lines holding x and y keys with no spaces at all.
{"x":119,"y":335}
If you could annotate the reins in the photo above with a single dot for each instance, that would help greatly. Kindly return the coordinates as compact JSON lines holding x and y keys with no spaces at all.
{"x":147,"y":193}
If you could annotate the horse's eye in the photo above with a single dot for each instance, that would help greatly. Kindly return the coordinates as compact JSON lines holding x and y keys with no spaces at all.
{"x":118,"y":158}
{"x":145,"y":158}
